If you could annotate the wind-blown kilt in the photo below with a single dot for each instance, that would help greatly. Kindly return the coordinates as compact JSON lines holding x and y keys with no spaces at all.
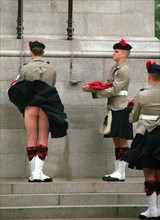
{"x":144,"y":151}
{"x":38,"y":93}
{"x":120,"y":125}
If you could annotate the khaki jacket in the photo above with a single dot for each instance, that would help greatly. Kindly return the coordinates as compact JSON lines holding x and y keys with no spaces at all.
{"x":120,"y":76}
{"x":38,"y":69}
{"x":147,"y":102}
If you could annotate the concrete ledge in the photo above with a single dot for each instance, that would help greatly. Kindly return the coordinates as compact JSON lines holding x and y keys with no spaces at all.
{"x":97,"y":211}
{"x":57,"y":54}
{"x":74,"y":185}
{"x":72,"y":199}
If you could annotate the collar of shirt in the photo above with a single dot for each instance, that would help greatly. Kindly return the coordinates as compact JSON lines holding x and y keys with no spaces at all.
{"x":154,"y":86}
{"x":38,"y":59}
{"x":120,"y":65}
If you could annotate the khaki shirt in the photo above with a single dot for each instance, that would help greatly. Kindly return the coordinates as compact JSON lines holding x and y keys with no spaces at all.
{"x":38,"y":69}
{"x":147,"y":102}
{"x":120,"y":76}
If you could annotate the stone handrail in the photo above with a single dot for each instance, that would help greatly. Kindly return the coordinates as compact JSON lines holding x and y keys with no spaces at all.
{"x":67,"y":54}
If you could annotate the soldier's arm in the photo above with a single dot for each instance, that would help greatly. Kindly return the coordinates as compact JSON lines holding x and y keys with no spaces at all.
{"x":134,"y":115}
{"x":121,"y":79}
{"x":21,"y":75}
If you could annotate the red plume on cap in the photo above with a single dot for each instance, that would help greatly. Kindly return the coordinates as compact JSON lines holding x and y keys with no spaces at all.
{"x":30,"y":42}
{"x":149,"y":63}
{"x":123,"y":42}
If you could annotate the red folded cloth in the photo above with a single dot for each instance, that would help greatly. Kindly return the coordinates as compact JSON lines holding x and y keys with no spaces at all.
{"x":99,"y":85}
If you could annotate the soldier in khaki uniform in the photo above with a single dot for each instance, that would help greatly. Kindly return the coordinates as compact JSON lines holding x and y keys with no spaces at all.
{"x":38,"y":69}
{"x":144,"y":153}
{"x":121,"y":129}
{"x":36,"y":97}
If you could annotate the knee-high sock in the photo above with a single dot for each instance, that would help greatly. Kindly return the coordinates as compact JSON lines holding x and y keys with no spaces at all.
{"x":31,"y":152}
{"x":42,"y":152}
{"x":120,"y":152}
{"x":150,"y":187}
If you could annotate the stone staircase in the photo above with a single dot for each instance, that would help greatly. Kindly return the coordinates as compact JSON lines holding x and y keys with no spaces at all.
{"x":71,"y":198}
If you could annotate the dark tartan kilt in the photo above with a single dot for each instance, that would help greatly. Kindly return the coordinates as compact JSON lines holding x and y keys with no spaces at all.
{"x":120,"y":126}
{"x":38,"y":93}
{"x":144,"y":151}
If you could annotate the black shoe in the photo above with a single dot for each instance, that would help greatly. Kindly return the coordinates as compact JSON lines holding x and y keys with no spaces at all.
{"x":47,"y":180}
{"x":144,"y":217}
{"x":34,"y":181}
{"x":112,"y":179}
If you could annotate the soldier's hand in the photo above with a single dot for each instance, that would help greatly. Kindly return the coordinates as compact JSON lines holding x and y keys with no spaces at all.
{"x":86,"y":88}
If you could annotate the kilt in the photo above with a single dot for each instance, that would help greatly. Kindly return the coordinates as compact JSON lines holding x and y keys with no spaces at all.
{"x":144,"y":151}
{"x":38,"y":93}
{"x":120,"y":126}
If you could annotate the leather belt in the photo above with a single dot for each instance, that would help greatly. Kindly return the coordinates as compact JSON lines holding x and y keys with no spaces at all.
{"x":148,"y":117}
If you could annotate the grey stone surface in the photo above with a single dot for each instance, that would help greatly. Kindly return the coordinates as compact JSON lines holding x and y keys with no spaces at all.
{"x":16,"y":142}
{"x":11,"y":118}
{"x":29,"y":200}
{"x":71,"y":199}
{"x":86,"y":219}
{"x":12,"y":165}
{"x":20,"y":186}
{"x":72,"y":212}
{"x":52,"y":17}
{"x":88,"y":197}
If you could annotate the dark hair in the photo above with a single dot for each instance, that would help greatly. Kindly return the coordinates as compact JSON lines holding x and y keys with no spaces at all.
{"x":37,"y":51}
{"x":155,"y":76}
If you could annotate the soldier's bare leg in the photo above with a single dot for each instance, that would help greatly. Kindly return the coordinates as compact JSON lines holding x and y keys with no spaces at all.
{"x":31,"y":125}
{"x":43,"y":128}
{"x":37,"y":129}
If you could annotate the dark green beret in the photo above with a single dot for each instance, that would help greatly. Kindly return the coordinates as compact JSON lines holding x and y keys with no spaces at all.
{"x":33,"y":44}
{"x":122,"y":45}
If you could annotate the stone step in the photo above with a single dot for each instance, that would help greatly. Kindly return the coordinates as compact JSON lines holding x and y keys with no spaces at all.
{"x":83,"y":211}
{"x":85,"y":219}
{"x":71,"y":198}
{"x":19,"y":200}
{"x":86,"y":185}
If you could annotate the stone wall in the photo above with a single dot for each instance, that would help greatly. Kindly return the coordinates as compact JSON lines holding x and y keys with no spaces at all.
{"x":91,"y":17}
{"x":98,"y":24}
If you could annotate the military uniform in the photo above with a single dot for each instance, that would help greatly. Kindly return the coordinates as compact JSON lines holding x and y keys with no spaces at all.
{"x":36,"y":87}
{"x":117,"y":96}
{"x":38,"y":69}
{"x":144,"y":153}
{"x":147,"y":105}
{"x":146,"y":113}
{"x":118,"y":100}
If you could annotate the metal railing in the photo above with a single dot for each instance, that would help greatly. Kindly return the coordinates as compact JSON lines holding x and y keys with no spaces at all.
{"x":70,"y":28}
{"x":20,"y":26}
